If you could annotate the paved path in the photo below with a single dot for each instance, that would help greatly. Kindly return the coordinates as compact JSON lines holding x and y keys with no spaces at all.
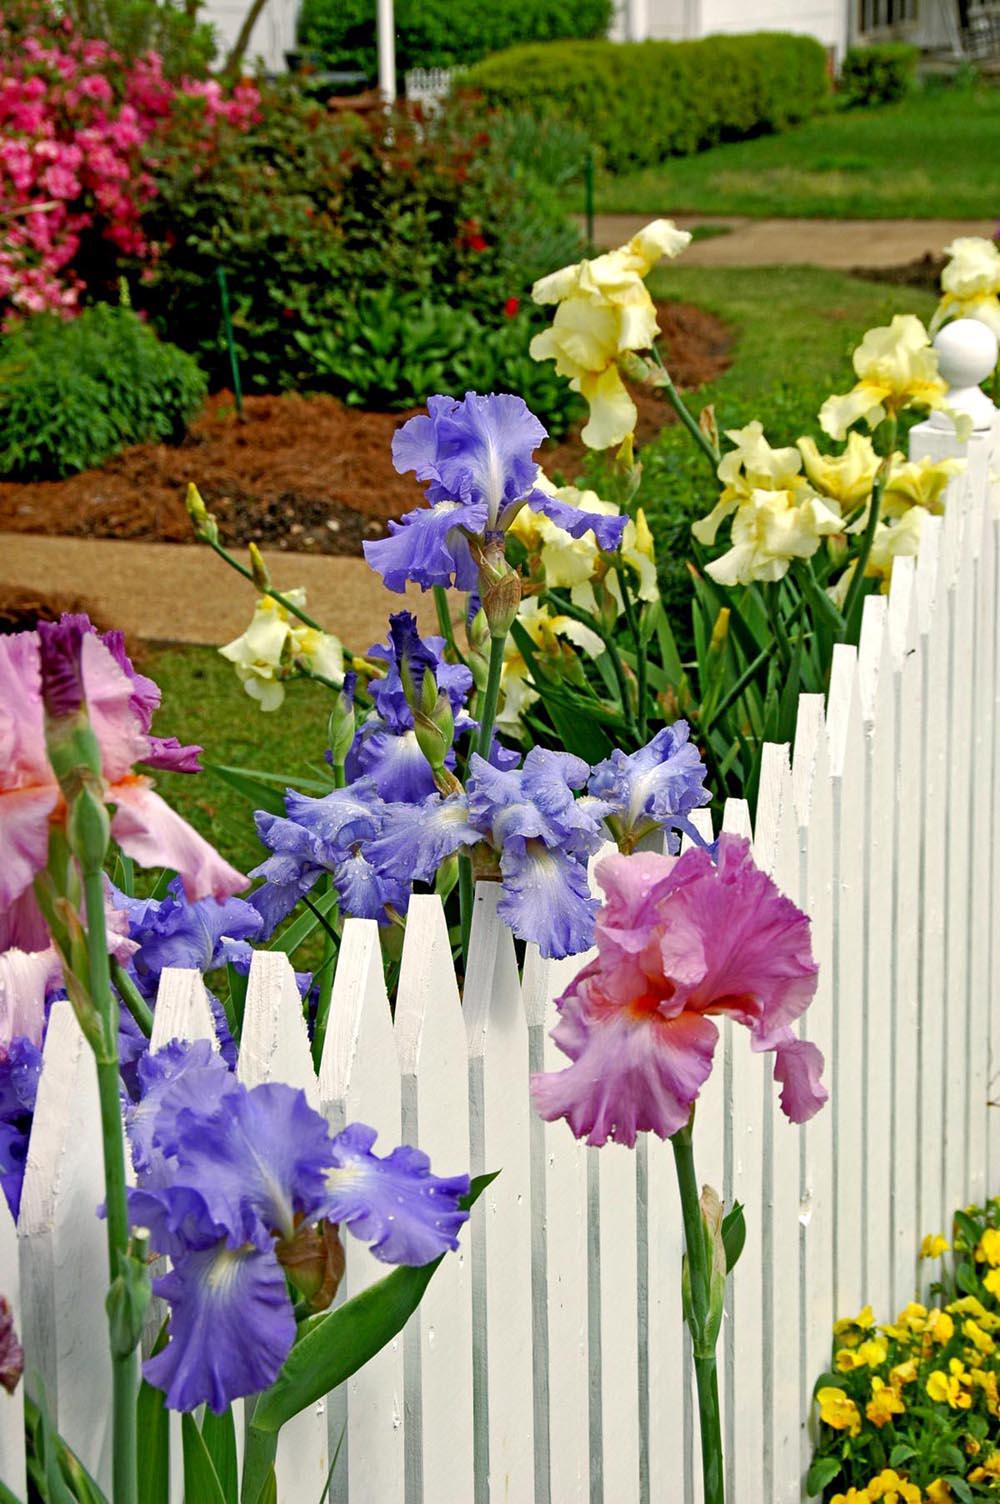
{"x":837,"y":243}
{"x":169,"y":592}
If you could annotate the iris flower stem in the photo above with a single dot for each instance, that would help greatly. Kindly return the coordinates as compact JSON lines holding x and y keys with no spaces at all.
{"x":132,"y":998}
{"x":326,"y":973}
{"x":444,"y":621}
{"x":125,"y":1371}
{"x":857,"y":582}
{"x":491,"y":694}
{"x":275,"y":595}
{"x":632,"y":617}
{"x":705,"y":1363}
{"x":683,"y":412}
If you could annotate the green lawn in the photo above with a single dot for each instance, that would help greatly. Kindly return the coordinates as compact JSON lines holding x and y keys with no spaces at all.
{"x":935,"y":155}
{"x":796,"y":328}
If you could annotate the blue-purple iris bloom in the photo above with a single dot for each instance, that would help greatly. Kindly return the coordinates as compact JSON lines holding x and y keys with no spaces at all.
{"x":475,"y":458}
{"x":228,"y":1178}
{"x":172,"y":931}
{"x":654,"y":788}
{"x":20,"y":1068}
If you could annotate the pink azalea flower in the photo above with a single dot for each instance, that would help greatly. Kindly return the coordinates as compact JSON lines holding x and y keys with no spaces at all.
{"x":119,"y":703}
{"x":680,"y":939}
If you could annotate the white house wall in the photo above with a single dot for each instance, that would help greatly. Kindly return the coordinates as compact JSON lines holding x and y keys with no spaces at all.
{"x":273,"y":35}
{"x":673,"y":20}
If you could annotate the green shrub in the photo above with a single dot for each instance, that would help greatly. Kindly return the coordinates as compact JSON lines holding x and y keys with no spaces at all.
{"x":642,"y":101}
{"x":442,"y":33}
{"x":388,"y":352}
{"x":134,"y":27}
{"x":878,"y":74}
{"x":307,"y":212}
{"x":74,"y":392}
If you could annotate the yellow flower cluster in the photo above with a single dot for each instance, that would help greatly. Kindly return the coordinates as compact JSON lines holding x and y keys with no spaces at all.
{"x":266,"y":654}
{"x":970,"y":283}
{"x":896,"y":368}
{"x":603,"y":310}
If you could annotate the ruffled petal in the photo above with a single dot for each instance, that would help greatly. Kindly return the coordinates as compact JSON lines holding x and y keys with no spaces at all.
{"x":408,"y":1215}
{"x":576,"y":521}
{"x":429,"y":547}
{"x":150,"y":832}
{"x":418,"y":837}
{"x":231,"y":1327}
{"x":546,"y":898}
{"x":798,"y":1066}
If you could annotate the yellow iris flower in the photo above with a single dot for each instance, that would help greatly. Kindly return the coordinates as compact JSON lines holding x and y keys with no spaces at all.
{"x":896,"y":367}
{"x":846,"y":478}
{"x":838,"y":1410}
{"x":275,"y":639}
{"x":970,"y":283}
{"x":751,"y":465}
{"x":891,"y":541}
{"x":770,"y":530}
{"x":918,"y":483}
{"x":603,"y":310}
{"x":574,"y":564}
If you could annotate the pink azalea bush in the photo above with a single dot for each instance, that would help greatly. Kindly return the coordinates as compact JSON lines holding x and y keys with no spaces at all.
{"x":78,"y":129}
{"x":681,"y":939}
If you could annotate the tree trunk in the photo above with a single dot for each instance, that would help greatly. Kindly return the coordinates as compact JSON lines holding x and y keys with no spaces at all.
{"x":235,"y":58}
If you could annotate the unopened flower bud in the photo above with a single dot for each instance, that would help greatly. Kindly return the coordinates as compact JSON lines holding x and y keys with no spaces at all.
{"x":259,"y":570}
{"x":499,"y":584}
{"x":635,"y":367}
{"x":205,"y":525}
{"x":435,"y":732}
{"x":343,"y":721}
{"x":314,"y":1262}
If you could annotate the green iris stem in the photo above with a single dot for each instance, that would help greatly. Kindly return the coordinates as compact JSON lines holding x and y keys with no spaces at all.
{"x":772,"y":607}
{"x":275,"y":595}
{"x":857,"y":581}
{"x":125,"y":1370}
{"x":632,"y":617}
{"x":705,"y":1364}
{"x":683,"y":412}
{"x":327,"y":969}
{"x":491,"y":695}
{"x":132,"y":998}
{"x":466,"y":899}
{"x":445,"y":623}
{"x":568,"y":609}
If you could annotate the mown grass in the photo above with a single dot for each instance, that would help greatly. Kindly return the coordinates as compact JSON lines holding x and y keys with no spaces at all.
{"x":795,"y":330}
{"x":934,"y":155}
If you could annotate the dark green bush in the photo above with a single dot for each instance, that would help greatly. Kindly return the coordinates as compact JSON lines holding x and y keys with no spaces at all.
{"x":74,"y":392}
{"x":877,"y":75}
{"x":442,"y":33}
{"x":307,"y":212}
{"x":642,"y":101}
{"x":388,"y":352}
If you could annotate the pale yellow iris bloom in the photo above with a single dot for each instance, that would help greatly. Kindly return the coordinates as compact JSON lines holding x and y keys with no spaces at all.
{"x":896,"y":368}
{"x":770,"y":530}
{"x":918,"y":483}
{"x":751,"y":465}
{"x":546,"y":629}
{"x":846,"y":478}
{"x":970,"y":283}
{"x":892,"y":541}
{"x":574,"y":564}
{"x":604,"y":309}
{"x":275,"y":639}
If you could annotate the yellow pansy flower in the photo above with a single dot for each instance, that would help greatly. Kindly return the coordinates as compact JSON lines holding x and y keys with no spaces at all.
{"x":988,"y":1248}
{"x":846,"y":478}
{"x":940,"y":1328}
{"x":852,"y":1496}
{"x":980,"y":1340}
{"x":870,"y":1354}
{"x":970,"y":283}
{"x":987,"y":1471}
{"x":275,"y":639}
{"x":574,"y":564}
{"x":919,"y":483}
{"x":893,"y":1489}
{"x":603,"y":310}
{"x":987,"y":1382}
{"x":850,"y":1328}
{"x":884,"y":1404}
{"x":909,"y":1323}
{"x":991,"y":1279}
{"x":968,"y":1305}
{"x":903,"y":1373}
{"x":751,"y":465}
{"x":770,"y":530}
{"x":938,"y":1492}
{"x":896,"y":368}
{"x":951,"y":1388}
{"x":933,"y":1246}
{"x":545,"y":628}
{"x":838,"y":1410}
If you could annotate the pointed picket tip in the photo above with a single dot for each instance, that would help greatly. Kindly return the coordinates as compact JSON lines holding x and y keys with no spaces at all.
{"x":844,"y":703}
{"x":360,"y":1019}
{"x":274,"y":1041}
{"x":427,"y":997}
{"x":810,"y":730}
{"x":870,"y":652}
{"x":67,"y":1100}
{"x":736,"y":818}
{"x":492,"y":983}
{"x":182,"y":1009}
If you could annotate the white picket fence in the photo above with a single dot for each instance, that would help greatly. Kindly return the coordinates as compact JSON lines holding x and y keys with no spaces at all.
{"x":547,"y":1363}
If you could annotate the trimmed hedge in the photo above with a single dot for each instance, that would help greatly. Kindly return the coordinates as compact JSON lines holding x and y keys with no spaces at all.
{"x":442,"y":33}
{"x":879,"y":74}
{"x":642,"y":101}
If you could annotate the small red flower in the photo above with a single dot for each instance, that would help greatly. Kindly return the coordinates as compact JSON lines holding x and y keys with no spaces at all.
{"x":511,"y":307}
{"x":477,"y":243}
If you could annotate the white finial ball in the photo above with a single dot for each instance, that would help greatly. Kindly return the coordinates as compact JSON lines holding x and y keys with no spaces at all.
{"x":967,"y":352}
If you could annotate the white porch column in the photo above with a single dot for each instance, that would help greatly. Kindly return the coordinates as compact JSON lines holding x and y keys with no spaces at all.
{"x":385,"y":30}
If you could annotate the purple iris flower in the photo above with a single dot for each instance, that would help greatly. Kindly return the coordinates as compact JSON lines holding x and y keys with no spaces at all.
{"x":172,"y":931}
{"x":229,"y":1179}
{"x":20,"y":1068}
{"x":60,"y":649}
{"x":658,"y":786}
{"x":475,"y":457}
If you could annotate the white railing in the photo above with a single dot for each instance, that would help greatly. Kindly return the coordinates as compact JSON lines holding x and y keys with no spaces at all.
{"x":546,"y":1363}
{"x":428,"y":86}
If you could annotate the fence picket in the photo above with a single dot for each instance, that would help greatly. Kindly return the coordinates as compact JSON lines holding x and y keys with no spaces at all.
{"x":182,"y":1010}
{"x":359,"y":1083}
{"x":64,"y":1251}
{"x":430,"y":1037}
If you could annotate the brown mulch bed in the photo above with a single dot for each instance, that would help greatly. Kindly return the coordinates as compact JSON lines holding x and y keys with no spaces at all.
{"x":303,"y":473}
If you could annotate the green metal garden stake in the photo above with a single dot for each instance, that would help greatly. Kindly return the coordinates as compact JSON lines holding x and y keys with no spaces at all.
{"x":227,"y":324}
{"x":588,"y":199}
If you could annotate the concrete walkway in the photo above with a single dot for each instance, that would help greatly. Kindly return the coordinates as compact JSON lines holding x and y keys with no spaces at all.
{"x":835,"y":243}
{"x":169,"y":592}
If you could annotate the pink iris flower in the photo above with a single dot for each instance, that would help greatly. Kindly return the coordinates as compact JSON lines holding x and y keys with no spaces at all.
{"x":120,"y":708}
{"x":680,"y":939}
